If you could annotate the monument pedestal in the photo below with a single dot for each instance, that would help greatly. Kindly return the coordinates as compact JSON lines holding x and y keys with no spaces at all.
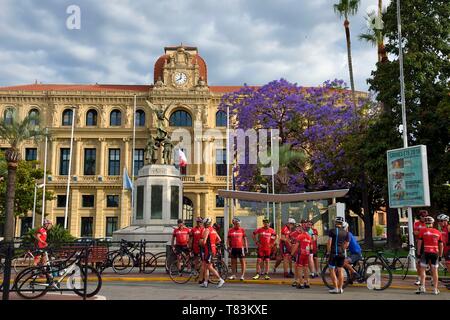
{"x":158,"y":200}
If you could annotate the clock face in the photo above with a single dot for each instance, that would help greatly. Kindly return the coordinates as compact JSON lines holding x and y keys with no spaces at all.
{"x":180,"y":78}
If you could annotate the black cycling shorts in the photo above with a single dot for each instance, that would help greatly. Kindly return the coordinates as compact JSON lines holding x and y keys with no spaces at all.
{"x":429,"y":258}
{"x":237,"y":253}
{"x":336,"y":261}
{"x":180,"y":249}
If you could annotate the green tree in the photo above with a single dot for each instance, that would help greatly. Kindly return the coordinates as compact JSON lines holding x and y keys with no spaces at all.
{"x":375,"y":34}
{"x":57,"y":235}
{"x":426,"y":30}
{"x":15,"y":132}
{"x":346,"y":8}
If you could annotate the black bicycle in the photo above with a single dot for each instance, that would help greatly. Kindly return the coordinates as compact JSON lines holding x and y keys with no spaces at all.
{"x":128,"y":256}
{"x":35,"y":282}
{"x":377,"y":275}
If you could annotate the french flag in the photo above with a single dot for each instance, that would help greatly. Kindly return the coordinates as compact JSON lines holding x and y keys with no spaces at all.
{"x":182,"y":160}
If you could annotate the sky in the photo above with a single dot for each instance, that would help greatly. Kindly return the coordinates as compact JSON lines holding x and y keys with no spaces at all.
{"x":242,"y":41}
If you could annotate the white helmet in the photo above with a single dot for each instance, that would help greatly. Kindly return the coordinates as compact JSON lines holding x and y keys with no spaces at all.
{"x":344,"y":225}
{"x":429,"y":220}
{"x":442,"y":217}
{"x":207,"y":220}
{"x":291,"y":220}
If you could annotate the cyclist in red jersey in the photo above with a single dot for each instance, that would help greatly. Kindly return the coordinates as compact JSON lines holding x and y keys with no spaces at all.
{"x":285,"y":247}
{"x":418,"y":225}
{"x":301,"y":250}
{"x":265,"y":237}
{"x":313,"y":259}
{"x":237,"y":239}
{"x":181,"y":235}
{"x":208,"y":242}
{"x":445,"y":230}
{"x":429,"y":250}
{"x":41,"y":241}
{"x":195,"y":235}
{"x":293,"y":239}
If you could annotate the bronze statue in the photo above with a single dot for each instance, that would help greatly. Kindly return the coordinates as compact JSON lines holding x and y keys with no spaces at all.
{"x":161,"y":116}
{"x":168,"y":147}
{"x":151,"y":151}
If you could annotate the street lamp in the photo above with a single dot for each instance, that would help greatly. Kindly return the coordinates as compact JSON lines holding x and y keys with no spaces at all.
{"x":266,"y":186}
{"x":36,"y":186}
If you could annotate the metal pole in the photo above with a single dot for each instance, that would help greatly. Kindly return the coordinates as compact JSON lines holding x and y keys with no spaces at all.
{"x":227,"y":208}
{"x":132,"y":159}
{"x":405,"y":128}
{"x":45,"y":176}
{"x":34,"y":206}
{"x":273,"y":176}
{"x":268,"y":208}
{"x":66,"y":211}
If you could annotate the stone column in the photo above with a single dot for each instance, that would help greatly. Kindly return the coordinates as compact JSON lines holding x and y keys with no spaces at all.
{"x":74,"y":220}
{"x":101,"y":157}
{"x":126,"y":156}
{"x":197,"y":205}
{"x":53,"y":156}
{"x":77,"y":158}
{"x":125,"y":200}
{"x":99,"y":218}
{"x":204,"y":202}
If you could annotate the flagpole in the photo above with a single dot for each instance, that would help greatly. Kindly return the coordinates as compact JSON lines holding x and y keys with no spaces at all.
{"x":66,"y":211}
{"x":273,"y":176}
{"x":132,"y":158}
{"x":226,"y":217}
{"x":45,"y":176}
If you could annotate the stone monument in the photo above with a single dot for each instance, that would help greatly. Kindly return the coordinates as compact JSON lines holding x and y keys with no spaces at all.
{"x":158,"y":191}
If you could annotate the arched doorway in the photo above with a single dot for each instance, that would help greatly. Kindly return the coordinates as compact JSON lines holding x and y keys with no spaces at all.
{"x":188,"y":211}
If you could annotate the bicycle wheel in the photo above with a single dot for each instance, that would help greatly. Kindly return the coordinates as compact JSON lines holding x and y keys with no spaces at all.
{"x":379,"y":275}
{"x":398,"y":263}
{"x":326,"y":277}
{"x":182,"y":275}
{"x":122,"y":263}
{"x":371,"y":259}
{"x":22,"y":262}
{"x":406,"y":267}
{"x":93,"y":279}
{"x":31,"y":283}
{"x":150,"y":263}
{"x":221,"y":268}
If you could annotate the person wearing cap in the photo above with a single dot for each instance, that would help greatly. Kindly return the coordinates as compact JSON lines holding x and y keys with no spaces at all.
{"x":181,"y":236}
{"x":195,"y":235}
{"x":429,"y":250}
{"x":285,"y":247}
{"x":208,"y":242}
{"x":264,"y":242}
{"x":237,"y":240}
{"x":444,"y":227}
{"x":419,"y":225}
{"x":41,"y":241}
{"x":355,"y":254}
{"x":338,"y":241}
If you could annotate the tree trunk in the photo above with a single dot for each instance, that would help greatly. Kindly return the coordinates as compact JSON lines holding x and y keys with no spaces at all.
{"x":10,"y":196}
{"x":349,"y":56}
{"x":368,"y":216}
{"x":393,"y":228}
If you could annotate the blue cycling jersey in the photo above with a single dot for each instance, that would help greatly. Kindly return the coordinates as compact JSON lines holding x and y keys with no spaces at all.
{"x":353,"y":246}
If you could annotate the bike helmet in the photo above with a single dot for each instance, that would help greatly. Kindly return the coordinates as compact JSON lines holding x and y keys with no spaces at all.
{"x":291,"y":220}
{"x":345,"y":225}
{"x":237,"y":220}
{"x":429,"y":220}
{"x":207,"y":220}
{"x":199,"y":219}
{"x":339,"y":220}
{"x":443,"y":217}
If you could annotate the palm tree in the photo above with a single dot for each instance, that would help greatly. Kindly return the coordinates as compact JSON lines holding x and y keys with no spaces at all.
{"x":375,"y":34}
{"x":345,"y":8}
{"x":15,"y":132}
{"x":287,"y":157}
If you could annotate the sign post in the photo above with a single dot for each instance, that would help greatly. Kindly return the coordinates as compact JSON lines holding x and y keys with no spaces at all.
{"x":408,"y":184}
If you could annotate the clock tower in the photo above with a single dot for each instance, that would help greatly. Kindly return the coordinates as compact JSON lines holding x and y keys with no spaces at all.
{"x":180,"y":68}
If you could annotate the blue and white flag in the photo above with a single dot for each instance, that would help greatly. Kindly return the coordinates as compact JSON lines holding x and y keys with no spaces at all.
{"x":127,"y":183}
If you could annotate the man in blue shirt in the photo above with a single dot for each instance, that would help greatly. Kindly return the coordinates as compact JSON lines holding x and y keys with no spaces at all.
{"x":355,"y":253}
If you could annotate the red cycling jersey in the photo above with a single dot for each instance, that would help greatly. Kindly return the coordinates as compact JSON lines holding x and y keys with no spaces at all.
{"x":212,"y":239}
{"x":196,"y":234}
{"x":236,"y":235}
{"x":431,"y":238}
{"x":304,"y":240}
{"x":181,"y":236}
{"x":41,"y":234}
{"x":286,"y":231}
{"x":418,"y":225}
{"x":314,"y":246}
{"x":266,"y":237}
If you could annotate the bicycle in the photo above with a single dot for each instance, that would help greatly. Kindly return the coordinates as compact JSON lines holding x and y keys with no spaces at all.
{"x":124,"y":260}
{"x":365,"y":272}
{"x":35,"y":282}
{"x":395,"y":263}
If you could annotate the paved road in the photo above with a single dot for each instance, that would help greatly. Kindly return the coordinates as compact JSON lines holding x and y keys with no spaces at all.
{"x":237,"y":291}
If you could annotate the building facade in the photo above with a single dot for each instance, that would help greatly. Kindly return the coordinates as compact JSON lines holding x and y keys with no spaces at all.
{"x":103,"y":140}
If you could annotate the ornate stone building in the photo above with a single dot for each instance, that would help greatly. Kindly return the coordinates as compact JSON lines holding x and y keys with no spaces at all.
{"x":103,"y":142}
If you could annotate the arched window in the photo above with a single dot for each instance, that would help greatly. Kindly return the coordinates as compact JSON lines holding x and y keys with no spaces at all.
{"x":115,"y":118}
{"x":221,"y":119}
{"x":34,"y":113}
{"x":180,"y":118}
{"x":91,"y":118}
{"x":9,"y":115}
{"x":67,"y":117}
{"x":140,"y":118}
